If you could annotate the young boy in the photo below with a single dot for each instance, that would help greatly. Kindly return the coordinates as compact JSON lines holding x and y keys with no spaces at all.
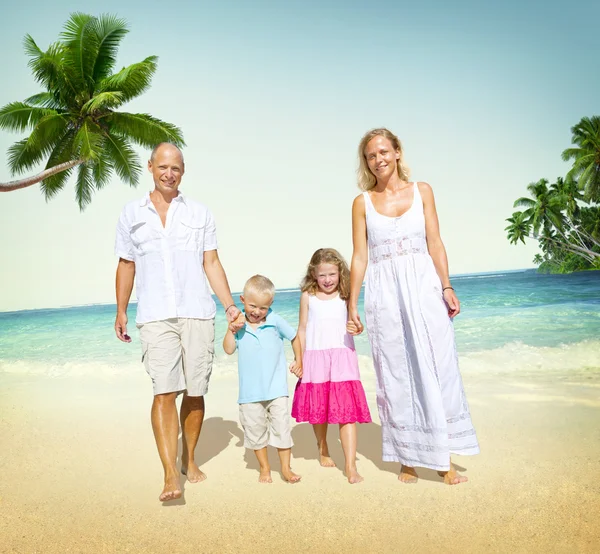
{"x":262,"y":371}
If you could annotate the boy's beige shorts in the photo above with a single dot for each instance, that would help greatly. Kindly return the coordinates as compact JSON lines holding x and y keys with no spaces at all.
{"x":178,"y":354}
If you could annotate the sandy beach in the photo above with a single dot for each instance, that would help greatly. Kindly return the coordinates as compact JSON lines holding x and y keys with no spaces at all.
{"x":81,"y":474}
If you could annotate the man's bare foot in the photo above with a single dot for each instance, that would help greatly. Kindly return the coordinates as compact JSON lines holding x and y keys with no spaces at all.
{"x":326,"y":461}
{"x":171,"y":491}
{"x":452,"y":477}
{"x":408,"y":475}
{"x":193,"y":473}
{"x":353,"y":476}
{"x":265,"y":476}
{"x":290,"y":476}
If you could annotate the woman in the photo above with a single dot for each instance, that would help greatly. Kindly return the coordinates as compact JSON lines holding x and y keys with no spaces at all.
{"x":409,"y":306}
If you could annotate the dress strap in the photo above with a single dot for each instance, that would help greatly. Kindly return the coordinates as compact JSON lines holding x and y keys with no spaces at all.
{"x":368,"y":202}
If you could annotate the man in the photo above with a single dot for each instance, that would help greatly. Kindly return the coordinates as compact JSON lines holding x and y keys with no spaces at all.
{"x":168,"y":242}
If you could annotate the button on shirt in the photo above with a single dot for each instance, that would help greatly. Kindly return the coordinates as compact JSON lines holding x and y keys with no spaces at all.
{"x":262,"y":368}
{"x":169,"y":260}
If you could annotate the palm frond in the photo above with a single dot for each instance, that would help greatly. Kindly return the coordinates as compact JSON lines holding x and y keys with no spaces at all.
{"x":102,"y":101}
{"x":109,"y":30}
{"x":124,"y":159}
{"x":89,"y":140}
{"x":132,"y":80}
{"x":45,"y":100}
{"x":143,"y":129}
{"x":62,"y":152}
{"x":81,"y":49}
{"x":102,"y":170}
{"x":84,"y":186}
{"x":524,"y":202}
{"x":19,"y":116}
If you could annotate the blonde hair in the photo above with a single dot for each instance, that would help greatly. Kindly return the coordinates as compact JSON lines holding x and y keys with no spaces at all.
{"x":259,"y":284}
{"x":366,"y":179}
{"x":327,"y":256}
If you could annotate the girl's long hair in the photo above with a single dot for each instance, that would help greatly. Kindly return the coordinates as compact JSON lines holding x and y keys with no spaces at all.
{"x":327,"y":256}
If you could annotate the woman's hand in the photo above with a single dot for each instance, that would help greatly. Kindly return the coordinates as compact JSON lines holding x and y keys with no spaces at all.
{"x":452,"y":302}
{"x":354,"y":326}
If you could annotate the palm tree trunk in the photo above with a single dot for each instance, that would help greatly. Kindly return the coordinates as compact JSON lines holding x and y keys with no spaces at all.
{"x":28,"y":181}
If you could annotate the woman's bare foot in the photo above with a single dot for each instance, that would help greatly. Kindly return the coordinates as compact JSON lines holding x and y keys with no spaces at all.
{"x":290,"y":476}
{"x":408,"y":475}
{"x":353,"y":476}
{"x":452,"y":477}
{"x":171,"y":491}
{"x":193,"y":473}
{"x":265,"y":476}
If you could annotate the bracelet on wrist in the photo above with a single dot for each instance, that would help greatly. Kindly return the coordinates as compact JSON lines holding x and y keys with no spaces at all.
{"x":229,"y":307}
{"x":446,"y":288}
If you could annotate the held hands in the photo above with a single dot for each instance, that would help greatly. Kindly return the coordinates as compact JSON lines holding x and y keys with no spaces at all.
{"x":296,"y":368}
{"x":235,"y":318}
{"x":121,"y":328}
{"x":354,"y":325}
{"x":452,"y":302}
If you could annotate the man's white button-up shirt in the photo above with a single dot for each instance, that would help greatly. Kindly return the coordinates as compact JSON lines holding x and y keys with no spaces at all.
{"x":169,"y":260}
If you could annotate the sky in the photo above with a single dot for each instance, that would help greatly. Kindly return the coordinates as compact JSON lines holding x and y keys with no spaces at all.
{"x":273,"y":98}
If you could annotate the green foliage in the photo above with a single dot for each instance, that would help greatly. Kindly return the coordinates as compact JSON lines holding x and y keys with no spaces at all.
{"x":75,"y":117}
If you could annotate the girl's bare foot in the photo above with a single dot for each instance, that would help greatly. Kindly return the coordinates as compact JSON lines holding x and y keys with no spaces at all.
{"x":290,"y":476}
{"x":265,"y":476}
{"x":193,"y":473}
{"x":353,"y":476}
{"x":326,"y":461}
{"x":408,"y":475}
{"x":171,"y":491}
{"x":452,"y":477}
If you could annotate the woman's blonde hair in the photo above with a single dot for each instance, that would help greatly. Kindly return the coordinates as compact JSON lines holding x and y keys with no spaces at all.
{"x":326,"y":256}
{"x":366,"y":180}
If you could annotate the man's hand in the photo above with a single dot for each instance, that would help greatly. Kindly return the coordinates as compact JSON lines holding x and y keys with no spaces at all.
{"x":121,"y":327}
{"x":296,"y":368}
{"x":235,"y":318}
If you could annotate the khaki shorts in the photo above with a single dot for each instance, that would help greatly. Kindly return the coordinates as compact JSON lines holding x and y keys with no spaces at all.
{"x":266,"y":423}
{"x":178,"y":354}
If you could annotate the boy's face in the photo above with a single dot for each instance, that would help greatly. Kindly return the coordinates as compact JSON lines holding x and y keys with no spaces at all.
{"x":256,"y":305}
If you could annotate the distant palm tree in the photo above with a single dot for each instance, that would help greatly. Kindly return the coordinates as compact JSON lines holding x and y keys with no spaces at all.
{"x":568,"y":190}
{"x":74,"y":123}
{"x":586,"y":165}
{"x":519,"y":227}
{"x":543,"y":208}
{"x":538,"y":259}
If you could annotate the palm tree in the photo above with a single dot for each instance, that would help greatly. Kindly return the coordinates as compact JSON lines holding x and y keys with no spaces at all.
{"x":519,"y":227}
{"x":568,"y":189}
{"x":538,"y":259}
{"x":74,"y":122}
{"x":586,"y":164}
{"x":544,"y":208}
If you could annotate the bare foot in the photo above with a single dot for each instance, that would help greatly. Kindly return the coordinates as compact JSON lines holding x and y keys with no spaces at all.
{"x":452,"y":477}
{"x":326,"y":461}
{"x":353,"y":476}
{"x":172,"y":490}
{"x":290,"y":476}
{"x":265,"y":476}
{"x":193,"y":473}
{"x":408,"y":475}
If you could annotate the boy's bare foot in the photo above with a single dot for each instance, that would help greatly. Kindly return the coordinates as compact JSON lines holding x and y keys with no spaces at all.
{"x":326,"y":461}
{"x":193,"y":473}
{"x":265,"y":476}
{"x":171,"y":491}
{"x":408,"y":475}
{"x":290,"y":476}
{"x":452,"y":477}
{"x":353,"y":476}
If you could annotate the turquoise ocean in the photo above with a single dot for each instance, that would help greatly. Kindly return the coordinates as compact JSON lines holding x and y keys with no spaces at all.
{"x":517,"y":321}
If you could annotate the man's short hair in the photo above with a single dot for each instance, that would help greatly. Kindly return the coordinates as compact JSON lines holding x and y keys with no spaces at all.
{"x":155,"y":150}
{"x":259,"y":284}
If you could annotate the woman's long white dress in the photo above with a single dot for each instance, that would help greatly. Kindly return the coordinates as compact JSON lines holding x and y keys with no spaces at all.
{"x":420,"y":397}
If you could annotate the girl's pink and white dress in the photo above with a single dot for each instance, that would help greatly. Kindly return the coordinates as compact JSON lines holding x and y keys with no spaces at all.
{"x":330,"y":390}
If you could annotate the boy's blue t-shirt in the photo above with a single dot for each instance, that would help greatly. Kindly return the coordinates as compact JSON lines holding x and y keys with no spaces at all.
{"x":262,"y":368}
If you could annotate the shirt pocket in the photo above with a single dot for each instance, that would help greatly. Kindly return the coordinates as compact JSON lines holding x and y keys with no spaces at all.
{"x":190,"y":235}
{"x":142,"y":237}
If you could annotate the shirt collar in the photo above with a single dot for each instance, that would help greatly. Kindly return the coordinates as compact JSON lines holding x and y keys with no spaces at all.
{"x":146,"y":198}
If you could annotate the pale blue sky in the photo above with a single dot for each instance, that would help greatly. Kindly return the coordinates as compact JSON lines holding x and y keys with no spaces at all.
{"x":273,"y":98}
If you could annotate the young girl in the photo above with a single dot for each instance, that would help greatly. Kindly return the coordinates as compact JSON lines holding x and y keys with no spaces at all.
{"x":330,"y":390}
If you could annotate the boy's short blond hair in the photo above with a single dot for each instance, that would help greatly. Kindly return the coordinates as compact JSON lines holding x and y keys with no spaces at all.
{"x":259,"y":284}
